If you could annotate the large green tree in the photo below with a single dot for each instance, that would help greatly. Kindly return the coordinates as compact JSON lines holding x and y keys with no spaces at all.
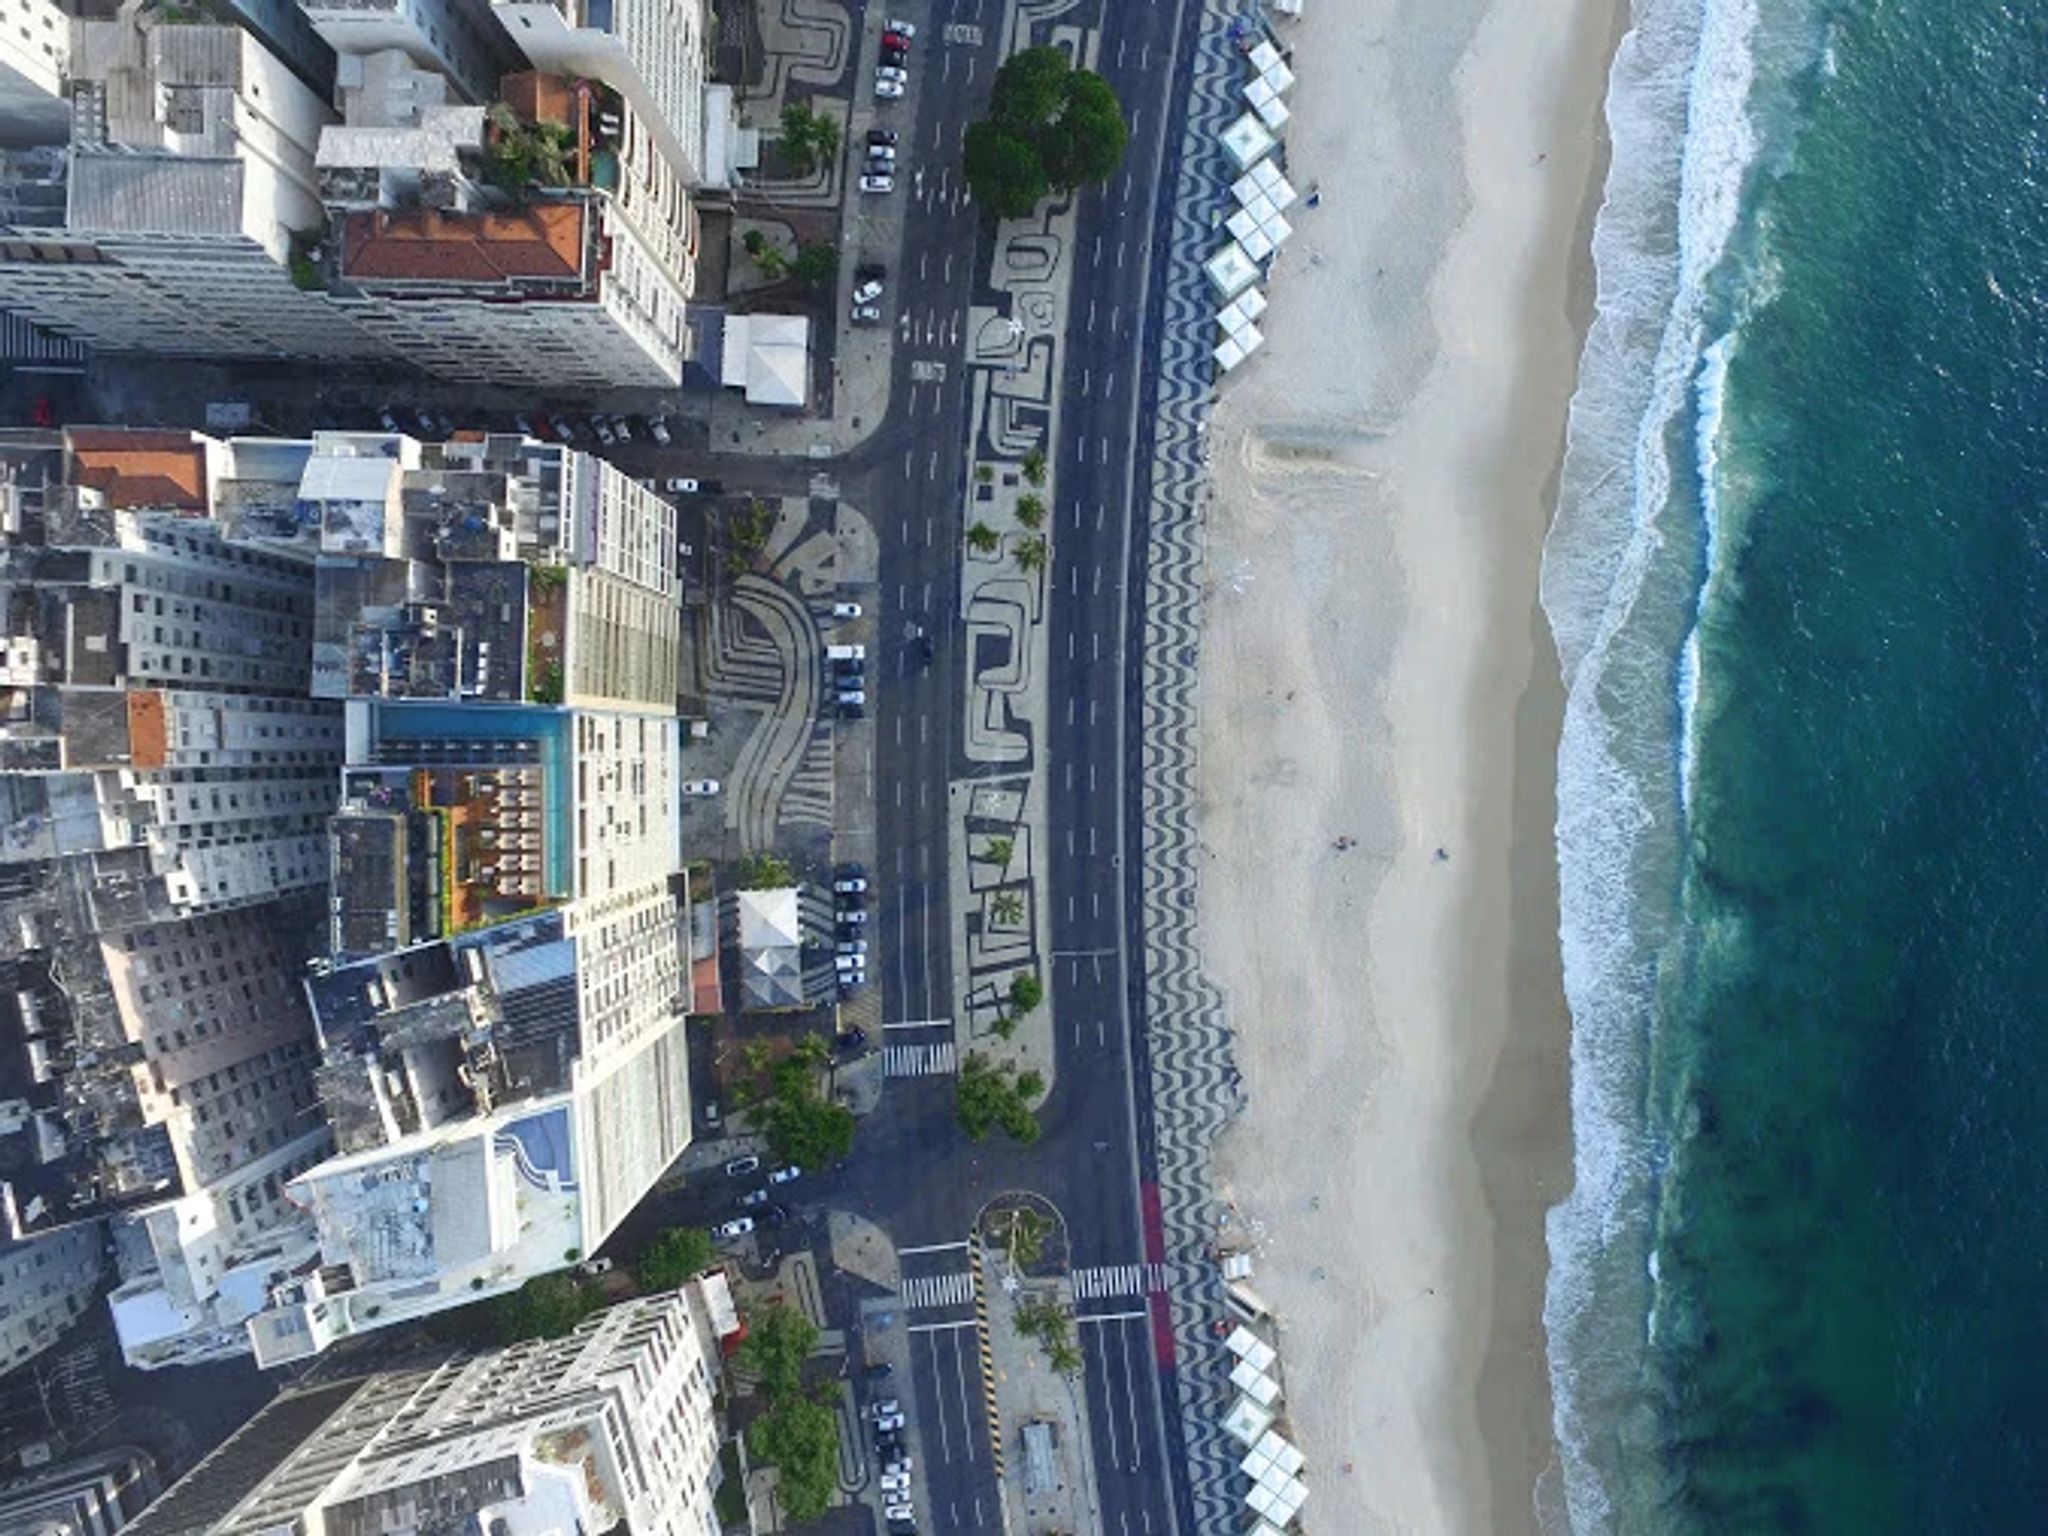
{"x":677,"y":1255}
{"x":779,"y":1340}
{"x":799,"y":1437}
{"x":1049,"y":125}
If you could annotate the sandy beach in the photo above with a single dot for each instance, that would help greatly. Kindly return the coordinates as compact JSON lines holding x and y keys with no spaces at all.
{"x":1375,"y":669}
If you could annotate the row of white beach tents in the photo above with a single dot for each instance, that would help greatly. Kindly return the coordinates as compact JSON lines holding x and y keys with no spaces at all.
{"x":1259,"y":226}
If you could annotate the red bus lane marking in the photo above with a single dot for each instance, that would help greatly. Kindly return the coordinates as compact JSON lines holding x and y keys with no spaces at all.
{"x":1155,"y":1252}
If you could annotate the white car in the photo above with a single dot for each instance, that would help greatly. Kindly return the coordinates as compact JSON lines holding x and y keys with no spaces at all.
{"x":892,"y":25}
{"x":845,"y":963}
{"x":658,"y":428}
{"x":784,"y":1175}
{"x":700,"y":786}
{"x":888,"y":90}
{"x":866,"y":314}
{"x":854,"y":916}
{"x":739,"y":1226}
{"x":896,"y":1482}
{"x":894,"y":72}
{"x":846,"y":610}
{"x":878,"y":183}
{"x":898,"y":1467}
{"x":881,"y":157}
{"x":868,"y":291}
{"x":851,"y":887}
{"x":604,"y":431}
{"x":682,"y":487}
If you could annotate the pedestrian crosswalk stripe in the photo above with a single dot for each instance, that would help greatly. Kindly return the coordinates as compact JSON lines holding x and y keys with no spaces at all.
{"x":1116,"y":1280}
{"x":919,"y":1060}
{"x":938,"y":1290}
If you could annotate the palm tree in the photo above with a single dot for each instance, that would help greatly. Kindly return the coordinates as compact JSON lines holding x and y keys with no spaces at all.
{"x":1008,"y":908}
{"x":999,"y":850}
{"x":824,"y":134}
{"x":983,"y":539}
{"x":1032,"y":553}
{"x":1031,"y":511}
{"x":1034,"y":466}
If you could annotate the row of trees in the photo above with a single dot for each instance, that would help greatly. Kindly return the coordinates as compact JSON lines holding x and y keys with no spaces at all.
{"x":796,"y":1433}
{"x":807,"y":138}
{"x":1049,"y":127}
{"x":815,"y":261}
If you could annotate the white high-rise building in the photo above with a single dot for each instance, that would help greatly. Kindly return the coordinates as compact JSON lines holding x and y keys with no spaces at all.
{"x":45,"y":1283}
{"x":609,"y":1429}
{"x":652,"y":52}
{"x":461,"y":39}
{"x":172,"y":220}
{"x":35,"y":57}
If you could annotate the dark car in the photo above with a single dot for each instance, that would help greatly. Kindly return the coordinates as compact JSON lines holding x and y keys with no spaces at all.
{"x":880,"y":1370}
{"x":895,"y":58}
{"x":881,"y":136}
{"x":925,"y":649}
{"x":851,"y":1040}
{"x":852,"y":712}
{"x":852,"y":930}
{"x":888,"y":1447}
{"x":775,"y":1216}
{"x":849,"y":871}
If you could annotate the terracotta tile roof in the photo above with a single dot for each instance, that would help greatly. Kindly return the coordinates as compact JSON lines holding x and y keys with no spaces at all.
{"x":139,"y":468}
{"x":544,"y":241}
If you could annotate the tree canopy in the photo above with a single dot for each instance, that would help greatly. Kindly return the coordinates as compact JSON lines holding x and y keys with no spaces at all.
{"x":779,"y":1340}
{"x":546,"y":1307}
{"x":798,"y":1434}
{"x":1049,"y":125}
{"x":677,"y":1255}
{"x":989,"y":1095}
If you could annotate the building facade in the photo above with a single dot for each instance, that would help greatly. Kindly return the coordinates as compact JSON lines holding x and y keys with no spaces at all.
{"x":45,"y":1285}
{"x":460,"y":39}
{"x":35,"y":60}
{"x":610,"y":1428}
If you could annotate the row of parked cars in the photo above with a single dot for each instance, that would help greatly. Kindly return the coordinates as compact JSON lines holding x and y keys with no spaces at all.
{"x":850,"y":927}
{"x":892,"y":78}
{"x":897,"y":1508}
{"x":756,"y":1205}
{"x":603,"y":427}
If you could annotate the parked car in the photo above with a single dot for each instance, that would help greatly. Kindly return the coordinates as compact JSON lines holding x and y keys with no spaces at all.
{"x":894,"y":72}
{"x":895,"y":1482}
{"x":866,"y":314}
{"x":898,"y":1505}
{"x":740,"y":1167}
{"x":852,"y":885}
{"x":848,"y":930}
{"x":904,"y":27}
{"x":846,"y":653}
{"x":752,"y":1198}
{"x":852,"y":917}
{"x":850,"y":1041}
{"x":523,"y":425}
{"x":700,"y":786}
{"x":884,"y":1408}
{"x":895,"y":39}
{"x":852,"y":696}
{"x":878,"y":1370}
{"x":788,"y":1173}
{"x":590,"y":1269}
{"x":624,"y":428}
{"x":564,"y":431}
{"x":739,"y":1226}
{"x":851,"y":667}
{"x":850,"y":871}
{"x":387,"y":421}
{"x":851,"y":947}
{"x":845,"y":963}
{"x":888,"y":1447}
{"x":603,"y":429}
{"x":897,"y":1467}
{"x":853,"y":712}
{"x":888,"y":90}
{"x":868,"y":291}
{"x":658,"y":430}
{"x":711,"y":1113}
{"x":848,"y":985}
{"x":683,"y":486}
{"x":881,"y":135}
{"x":881,"y":160}
{"x":894,"y":58}
{"x":873,"y":183}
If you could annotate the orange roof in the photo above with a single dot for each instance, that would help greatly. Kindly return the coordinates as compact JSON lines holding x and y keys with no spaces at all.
{"x":139,"y":468}
{"x":148,"y":730}
{"x":544,"y":241}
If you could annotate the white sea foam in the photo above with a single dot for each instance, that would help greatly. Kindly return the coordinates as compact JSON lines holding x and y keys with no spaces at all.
{"x":1712,"y":392}
{"x":1682,"y":143}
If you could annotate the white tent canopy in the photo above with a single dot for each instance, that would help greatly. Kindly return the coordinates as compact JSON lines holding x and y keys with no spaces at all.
{"x":768,"y":356}
{"x":1247,"y":1345}
{"x":1273,"y":112}
{"x":1264,"y":56}
{"x":1277,"y":75}
{"x":1246,"y":1421}
{"x":1235,"y":349}
{"x":1254,"y":1384}
{"x":1252,"y":304}
{"x":1247,"y":142}
{"x":1231,"y":271}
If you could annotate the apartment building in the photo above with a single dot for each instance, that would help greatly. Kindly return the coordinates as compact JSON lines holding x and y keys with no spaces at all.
{"x":44,"y":1286}
{"x":170,"y":218}
{"x":35,"y":59}
{"x":610,"y":1428}
{"x":651,"y":52}
{"x":461,"y":40}
{"x":165,"y":787}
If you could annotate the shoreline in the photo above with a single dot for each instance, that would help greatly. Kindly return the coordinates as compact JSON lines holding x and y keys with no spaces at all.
{"x":1376,"y":667}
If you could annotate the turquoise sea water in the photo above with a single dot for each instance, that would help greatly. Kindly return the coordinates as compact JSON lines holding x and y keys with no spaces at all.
{"x":1799,"y":581}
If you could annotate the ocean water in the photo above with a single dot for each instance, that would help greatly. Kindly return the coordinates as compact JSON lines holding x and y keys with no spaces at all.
{"x":1799,"y":585}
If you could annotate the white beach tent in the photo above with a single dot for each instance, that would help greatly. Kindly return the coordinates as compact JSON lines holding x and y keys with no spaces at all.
{"x":1257,"y":244}
{"x":1273,"y":113}
{"x":1231,"y":271}
{"x":1246,"y":1421}
{"x":1258,"y":93}
{"x":1254,"y":1384}
{"x":1266,"y":176}
{"x":1278,"y":76}
{"x":1251,"y":304}
{"x":1276,"y":229}
{"x":1248,"y":1346}
{"x":1229,"y":353}
{"x":1247,"y":142}
{"x":1263,"y":57}
{"x":1232,"y":319}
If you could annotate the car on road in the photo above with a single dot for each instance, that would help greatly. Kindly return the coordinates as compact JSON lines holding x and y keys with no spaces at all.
{"x":868,"y":291}
{"x":881,"y":135}
{"x":895,"y":39}
{"x":851,"y":885}
{"x":895,"y":1482}
{"x":888,"y":90}
{"x":897,"y":1467}
{"x":925,"y":649}
{"x":873,"y":183}
{"x":894,"y":72}
{"x":852,"y":712}
{"x":885,"y":1407}
{"x":851,"y":947}
{"x":846,"y":653}
{"x":866,"y":314}
{"x":740,"y":1167}
{"x":788,"y":1173}
{"x":700,"y":786}
{"x":752,"y":1198}
{"x":739,"y":1226}
{"x":894,"y":58}
{"x":775,"y":1215}
{"x":852,"y":915}
{"x":904,"y":27}
{"x":852,"y":1040}
{"x":683,"y":485}
{"x":852,"y":696}
{"x":658,"y":430}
